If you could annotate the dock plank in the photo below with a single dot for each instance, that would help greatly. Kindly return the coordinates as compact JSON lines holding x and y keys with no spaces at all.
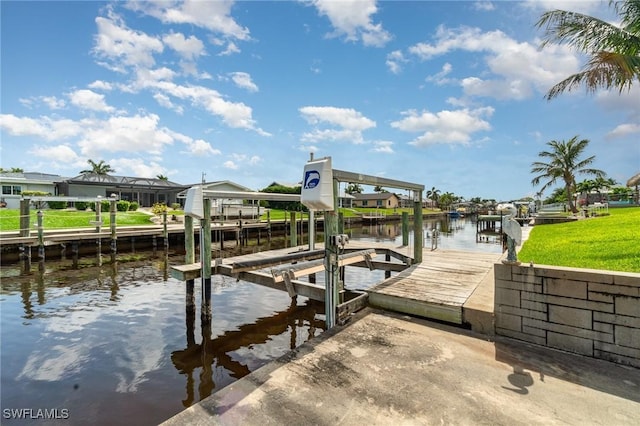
{"x":438,"y":287}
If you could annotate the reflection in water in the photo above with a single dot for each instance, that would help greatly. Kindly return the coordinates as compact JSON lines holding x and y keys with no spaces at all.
{"x":215,"y":352}
{"x":111,"y":338}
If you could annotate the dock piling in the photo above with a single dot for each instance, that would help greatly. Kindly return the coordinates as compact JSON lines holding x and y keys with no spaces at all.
{"x":405,"y":228}
{"x":25,"y":218}
{"x":112,"y":225}
{"x":40,"y":235}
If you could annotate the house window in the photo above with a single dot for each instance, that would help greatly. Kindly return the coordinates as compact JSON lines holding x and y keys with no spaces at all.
{"x":379,"y":203}
{"x":365,"y":203}
{"x":11,"y":190}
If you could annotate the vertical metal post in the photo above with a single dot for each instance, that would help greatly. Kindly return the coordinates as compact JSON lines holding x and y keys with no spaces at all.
{"x":417,"y":226}
{"x":312,"y":230}
{"x":331,"y":259}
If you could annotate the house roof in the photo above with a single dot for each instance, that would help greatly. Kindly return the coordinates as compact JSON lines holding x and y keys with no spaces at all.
{"x":376,"y":196}
{"x":32,"y":177}
{"x":96,"y":179}
{"x":216,"y":185}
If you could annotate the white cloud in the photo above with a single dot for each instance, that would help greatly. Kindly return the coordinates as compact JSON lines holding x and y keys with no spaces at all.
{"x":137,"y":167}
{"x":101,"y":85}
{"x":583,"y":6}
{"x":53,"y":102}
{"x":439,"y":78}
{"x":188,"y":48}
{"x":627,"y":101}
{"x":122,"y":47}
{"x":352,"y":19}
{"x":624,"y":130}
{"x":444,"y":127}
{"x":43,"y":127}
{"x":214,"y":16}
{"x":230,"y":50}
{"x":344,"y":117}
{"x":395,"y":60}
{"x":58,"y":156}
{"x":384,"y":147}
{"x":87,"y":99}
{"x":139,"y":133}
{"x":519,"y":68}
{"x":165,"y":101}
{"x":233,"y":114}
{"x":230,"y":165}
{"x":243,"y":80}
{"x":351,"y":124}
{"x":484,"y":5}
{"x":201,"y":148}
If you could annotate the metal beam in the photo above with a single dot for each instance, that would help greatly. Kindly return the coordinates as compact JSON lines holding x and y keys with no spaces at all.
{"x":351,"y":177}
{"x":247,"y":195}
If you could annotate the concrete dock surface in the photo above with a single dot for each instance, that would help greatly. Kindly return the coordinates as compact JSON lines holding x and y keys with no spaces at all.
{"x":390,"y":369}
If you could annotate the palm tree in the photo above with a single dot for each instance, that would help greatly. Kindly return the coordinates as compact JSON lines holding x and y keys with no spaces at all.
{"x":433,"y":194}
{"x":353,"y":188}
{"x":614,"y":51}
{"x":601,"y":183}
{"x":585,"y":187}
{"x":564,"y":163}
{"x":162,"y":177}
{"x":100,"y":168}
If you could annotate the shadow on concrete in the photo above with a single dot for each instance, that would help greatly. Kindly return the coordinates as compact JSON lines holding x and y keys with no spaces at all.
{"x":529,"y":361}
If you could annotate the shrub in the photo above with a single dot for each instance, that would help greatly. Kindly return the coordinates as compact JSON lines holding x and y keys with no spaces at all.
{"x":175,"y":206}
{"x":122,"y":206}
{"x":57,"y":205}
{"x":133,"y":206}
{"x":81,"y":205}
{"x":104,"y":206}
{"x":159,"y":208}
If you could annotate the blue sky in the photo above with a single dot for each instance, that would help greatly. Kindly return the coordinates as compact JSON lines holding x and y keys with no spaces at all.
{"x":448,"y":94}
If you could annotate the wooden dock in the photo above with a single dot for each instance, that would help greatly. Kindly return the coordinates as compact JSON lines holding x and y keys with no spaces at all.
{"x":438,"y":287}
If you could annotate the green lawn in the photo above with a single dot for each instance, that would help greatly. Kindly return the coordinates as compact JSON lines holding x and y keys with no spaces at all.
{"x":606,"y":242}
{"x":60,"y":219}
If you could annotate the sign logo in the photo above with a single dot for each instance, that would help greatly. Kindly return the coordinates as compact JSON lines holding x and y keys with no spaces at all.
{"x":311,"y":179}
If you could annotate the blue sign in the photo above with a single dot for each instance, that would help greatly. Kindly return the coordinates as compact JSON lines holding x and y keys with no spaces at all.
{"x":311,"y":179}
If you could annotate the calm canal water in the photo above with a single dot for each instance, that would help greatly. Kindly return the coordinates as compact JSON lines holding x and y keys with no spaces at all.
{"x":115,"y":344}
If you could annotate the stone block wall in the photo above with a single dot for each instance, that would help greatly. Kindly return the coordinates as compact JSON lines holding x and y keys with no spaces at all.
{"x":590,"y":312}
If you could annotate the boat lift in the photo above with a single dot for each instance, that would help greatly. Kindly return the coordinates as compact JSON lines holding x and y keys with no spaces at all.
{"x":319,"y":192}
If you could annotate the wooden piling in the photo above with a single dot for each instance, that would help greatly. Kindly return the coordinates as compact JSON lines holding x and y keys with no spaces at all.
{"x":98,"y":221}
{"x":40,"y":235}
{"x":112,"y":226}
{"x":269,"y":227}
{"x":405,"y":228}
{"x":189,"y":245}
{"x":293,"y":237}
{"x":205,"y":258}
{"x":25,"y":218}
